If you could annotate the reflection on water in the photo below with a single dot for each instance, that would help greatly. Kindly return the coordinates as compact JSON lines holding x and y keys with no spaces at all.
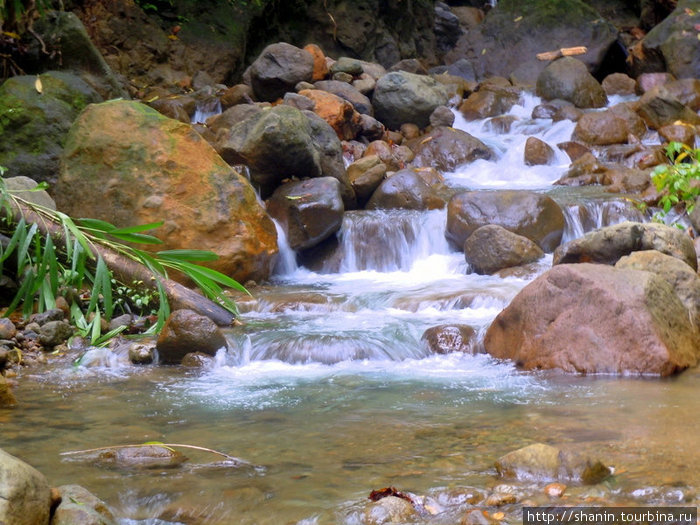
{"x":329,"y":434}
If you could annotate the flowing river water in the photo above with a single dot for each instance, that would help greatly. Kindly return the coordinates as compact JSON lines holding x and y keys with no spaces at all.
{"x":329,"y":393}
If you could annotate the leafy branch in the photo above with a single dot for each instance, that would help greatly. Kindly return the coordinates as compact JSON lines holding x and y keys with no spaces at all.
{"x":52,"y":254}
{"x":679,"y":182}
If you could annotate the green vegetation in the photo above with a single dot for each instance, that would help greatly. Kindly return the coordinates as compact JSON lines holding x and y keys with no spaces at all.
{"x":46,"y":265}
{"x":679,"y":182}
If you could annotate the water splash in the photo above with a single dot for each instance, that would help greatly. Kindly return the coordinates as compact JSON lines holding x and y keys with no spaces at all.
{"x":287,"y":258}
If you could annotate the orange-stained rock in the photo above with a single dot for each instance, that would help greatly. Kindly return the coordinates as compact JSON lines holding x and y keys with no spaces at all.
{"x":320,"y":64}
{"x":127,"y":164}
{"x":338,"y":112}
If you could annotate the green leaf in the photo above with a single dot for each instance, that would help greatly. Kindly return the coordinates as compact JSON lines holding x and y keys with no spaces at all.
{"x":25,"y":243}
{"x":139,"y":238}
{"x":137,"y":229}
{"x":97,"y":225}
{"x":95,"y":328}
{"x":104,"y":339}
{"x":20,"y":231}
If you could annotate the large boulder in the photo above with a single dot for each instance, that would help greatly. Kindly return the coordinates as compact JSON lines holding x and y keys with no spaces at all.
{"x":309,"y":211}
{"x":675,"y":38}
{"x":525,"y":213}
{"x":284,"y":142}
{"x":151,"y":168}
{"x":568,"y":79}
{"x":607,"y":245}
{"x":36,"y":113}
{"x":406,"y":189}
{"x":660,"y":107}
{"x":186,"y":331}
{"x":278,"y":69}
{"x":447,"y":148}
{"x":25,"y":496}
{"x":682,"y":278}
{"x":401,"y":98}
{"x":80,"y":507}
{"x":492,"y":248}
{"x":592,"y":319}
{"x":507,"y":42}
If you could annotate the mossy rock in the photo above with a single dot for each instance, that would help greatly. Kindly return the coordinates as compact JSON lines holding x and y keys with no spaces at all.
{"x":36,"y":113}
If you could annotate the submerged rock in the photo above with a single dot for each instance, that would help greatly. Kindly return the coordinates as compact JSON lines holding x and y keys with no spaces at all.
{"x":595,"y":319}
{"x":540,"y":462}
{"x":447,"y":338}
{"x":80,"y":507}
{"x":391,"y":509}
{"x":186,"y":331}
{"x":139,"y":457}
{"x":26,"y":496}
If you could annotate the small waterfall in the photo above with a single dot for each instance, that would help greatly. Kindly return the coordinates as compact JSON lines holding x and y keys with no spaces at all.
{"x":387,"y":241}
{"x":206,"y":108}
{"x":590,"y":215}
{"x":287,"y":260}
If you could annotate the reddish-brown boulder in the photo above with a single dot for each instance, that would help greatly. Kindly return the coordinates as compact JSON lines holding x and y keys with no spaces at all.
{"x":537,"y":152}
{"x":320,"y":65}
{"x":186,"y":331}
{"x":447,"y":148}
{"x":338,"y":112}
{"x":150,"y":168}
{"x":601,"y":128}
{"x":591,"y":318}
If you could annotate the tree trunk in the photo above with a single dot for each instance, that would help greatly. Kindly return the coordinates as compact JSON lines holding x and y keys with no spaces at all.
{"x":129,"y":271}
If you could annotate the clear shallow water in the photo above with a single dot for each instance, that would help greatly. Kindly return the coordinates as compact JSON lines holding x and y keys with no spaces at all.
{"x":330,"y":392}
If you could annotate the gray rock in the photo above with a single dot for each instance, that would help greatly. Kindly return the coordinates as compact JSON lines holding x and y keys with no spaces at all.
{"x":365,"y":175}
{"x":80,"y":507}
{"x":525,"y":213}
{"x":54,"y":314}
{"x":54,"y":333}
{"x":492,"y":248}
{"x":607,"y":245}
{"x":676,"y":39}
{"x":309,"y":211}
{"x":24,"y":187}
{"x":122,"y":320}
{"x":568,"y":79}
{"x":446,"y":148}
{"x":26,"y":496}
{"x":186,"y":331}
{"x":348,"y":65}
{"x":7,"y":328}
{"x":138,"y":457}
{"x":278,"y":69}
{"x":35,"y":125}
{"x":540,"y":462}
{"x":401,"y":98}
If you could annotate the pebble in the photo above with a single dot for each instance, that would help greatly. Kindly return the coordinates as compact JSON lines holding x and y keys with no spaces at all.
{"x":555,"y":490}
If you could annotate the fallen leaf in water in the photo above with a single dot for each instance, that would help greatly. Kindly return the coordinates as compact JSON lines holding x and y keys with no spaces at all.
{"x":37,"y":85}
{"x":376,"y":495}
{"x":498,"y":515}
{"x":518,"y":19}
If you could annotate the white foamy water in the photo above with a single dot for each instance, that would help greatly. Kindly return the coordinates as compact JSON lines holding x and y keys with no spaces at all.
{"x":507,"y":170}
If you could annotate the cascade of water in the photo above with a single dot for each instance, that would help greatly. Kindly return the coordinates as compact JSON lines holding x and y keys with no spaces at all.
{"x":508,"y":169}
{"x":206,"y":108}
{"x":387,"y":241}
{"x":287,"y":260}
{"x":589,"y":215}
